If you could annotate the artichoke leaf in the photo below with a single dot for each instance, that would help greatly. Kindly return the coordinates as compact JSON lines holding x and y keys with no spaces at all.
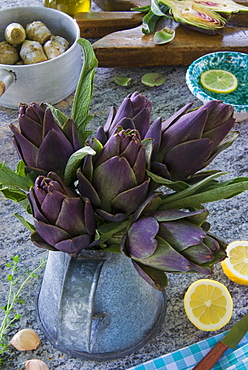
{"x":122,"y":80}
{"x":163,"y":36}
{"x":192,"y":189}
{"x":74,"y":162}
{"x":216,"y":192}
{"x":159,"y":9}
{"x":155,"y":13}
{"x":156,"y":278}
{"x":107,"y":230}
{"x":59,"y":116}
{"x":174,"y":185}
{"x":149,"y":22}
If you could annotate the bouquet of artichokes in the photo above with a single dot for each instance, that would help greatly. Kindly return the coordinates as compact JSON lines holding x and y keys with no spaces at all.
{"x":104,"y":192}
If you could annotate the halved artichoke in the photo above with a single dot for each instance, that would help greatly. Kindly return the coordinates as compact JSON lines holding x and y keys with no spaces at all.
{"x":196,"y":16}
{"x":223,"y":6}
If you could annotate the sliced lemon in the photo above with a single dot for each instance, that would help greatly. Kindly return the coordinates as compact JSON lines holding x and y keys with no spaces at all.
{"x":208,"y":304}
{"x":219,"y":81}
{"x":236,"y":265}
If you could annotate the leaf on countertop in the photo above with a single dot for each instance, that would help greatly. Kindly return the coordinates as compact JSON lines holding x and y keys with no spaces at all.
{"x":122,"y":81}
{"x":153,"y":79}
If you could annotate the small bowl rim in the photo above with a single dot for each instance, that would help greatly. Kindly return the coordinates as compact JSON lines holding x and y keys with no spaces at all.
{"x":200,"y":94}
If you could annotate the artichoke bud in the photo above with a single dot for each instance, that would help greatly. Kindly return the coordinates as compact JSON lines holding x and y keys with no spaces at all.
{"x":25,"y":340}
{"x":56,"y":46}
{"x":38,"y":31}
{"x":8,"y":53}
{"x":32,"y":52}
{"x":14,"y":33}
{"x":195,"y":15}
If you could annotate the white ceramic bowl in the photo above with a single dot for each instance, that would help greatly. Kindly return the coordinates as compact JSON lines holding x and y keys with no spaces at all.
{"x":50,"y":81}
{"x":234,"y":62}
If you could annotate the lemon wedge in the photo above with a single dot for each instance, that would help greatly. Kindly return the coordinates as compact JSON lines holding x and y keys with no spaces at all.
{"x":208,"y":304}
{"x":219,"y":81}
{"x":236,"y":265}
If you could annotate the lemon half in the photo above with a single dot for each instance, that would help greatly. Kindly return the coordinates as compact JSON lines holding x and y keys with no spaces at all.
{"x":208,"y":304}
{"x":219,"y":81}
{"x":236,"y":265}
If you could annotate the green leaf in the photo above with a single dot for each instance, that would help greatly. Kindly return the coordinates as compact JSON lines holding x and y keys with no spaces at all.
{"x":74,"y":162}
{"x":16,"y":258}
{"x":84,"y":90}
{"x":142,"y":9}
{"x":25,"y":223}
{"x":153,"y":79}
{"x":96,"y":145}
{"x":107,"y":230}
{"x":12,"y":179}
{"x":114,"y":248}
{"x":159,"y":9}
{"x":174,"y":185}
{"x":10,"y":277}
{"x":163,"y":36}
{"x":20,"y":169}
{"x":149,"y":22}
{"x":154,"y":12}
{"x":59,"y":117}
{"x":216,"y":192}
{"x":192,"y":188}
{"x":13,"y":194}
{"x":85,"y":135}
{"x":122,"y":81}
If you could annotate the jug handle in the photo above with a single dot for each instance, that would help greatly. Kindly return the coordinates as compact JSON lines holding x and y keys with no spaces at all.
{"x":6,"y":79}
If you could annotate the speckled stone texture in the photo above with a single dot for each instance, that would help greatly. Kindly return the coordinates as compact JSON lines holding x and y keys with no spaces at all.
{"x":228,"y":219}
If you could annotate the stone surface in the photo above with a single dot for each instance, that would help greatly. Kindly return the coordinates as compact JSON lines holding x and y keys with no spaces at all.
{"x":228,"y":219}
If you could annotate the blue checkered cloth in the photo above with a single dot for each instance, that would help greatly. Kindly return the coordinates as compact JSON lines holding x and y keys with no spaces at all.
{"x":186,"y":358}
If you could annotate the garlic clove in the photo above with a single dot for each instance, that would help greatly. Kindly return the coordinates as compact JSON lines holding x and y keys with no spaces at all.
{"x":36,"y":365}
{"x":25,"y":340}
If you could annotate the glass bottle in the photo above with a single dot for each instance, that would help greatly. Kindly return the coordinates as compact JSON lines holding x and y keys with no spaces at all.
{"x":70,"y":7}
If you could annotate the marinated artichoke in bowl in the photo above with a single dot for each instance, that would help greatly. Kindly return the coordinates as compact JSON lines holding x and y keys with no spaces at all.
{"x":33,"y":44}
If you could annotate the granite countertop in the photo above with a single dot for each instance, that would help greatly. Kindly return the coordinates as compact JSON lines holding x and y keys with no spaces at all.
{"x":228,"y":219}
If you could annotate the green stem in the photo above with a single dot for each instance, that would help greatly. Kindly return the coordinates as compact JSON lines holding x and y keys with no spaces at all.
{"x":12,"y":299}
{"x":4,"y":324}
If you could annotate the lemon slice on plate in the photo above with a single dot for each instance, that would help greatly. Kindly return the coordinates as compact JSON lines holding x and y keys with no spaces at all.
{"x":236,"y":265}
{"x":219,"y":81}
{"x":208,"y":304}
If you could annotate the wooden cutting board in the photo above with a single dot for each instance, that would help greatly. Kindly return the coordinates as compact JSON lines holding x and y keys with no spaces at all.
{"x":131,"y":48}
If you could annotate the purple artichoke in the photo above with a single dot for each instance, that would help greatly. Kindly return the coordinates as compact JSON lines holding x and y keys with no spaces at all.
{"x":41,"y":143}
{"x":115,"y":179}
{"x":133,"y":113}
{"x":190,"y":141}
{"x":172,"y":241}
{"x":63,"y":220}
{"x":183,"y":144}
